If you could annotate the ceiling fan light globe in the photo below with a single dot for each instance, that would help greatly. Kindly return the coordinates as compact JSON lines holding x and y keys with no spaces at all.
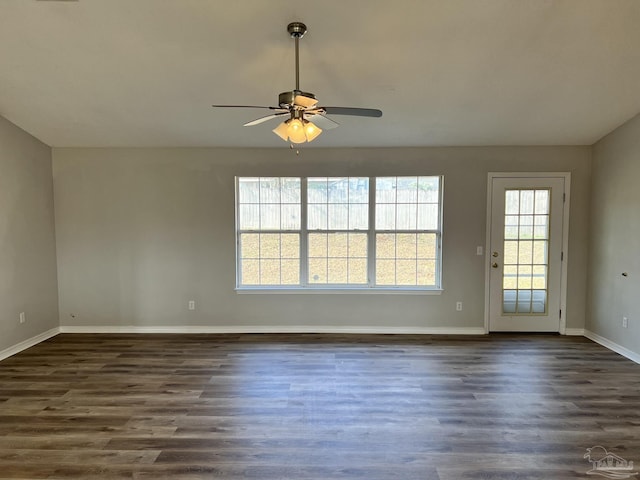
{"x":311,"y":131}
{"x":296,"y":131}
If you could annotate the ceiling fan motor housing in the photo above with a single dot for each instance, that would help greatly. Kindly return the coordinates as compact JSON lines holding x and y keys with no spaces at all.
{"x":287,"y":99}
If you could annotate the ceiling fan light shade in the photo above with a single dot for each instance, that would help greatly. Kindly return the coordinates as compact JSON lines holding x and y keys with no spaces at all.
{"x":282,"y":131}
{"x":311,"y":131}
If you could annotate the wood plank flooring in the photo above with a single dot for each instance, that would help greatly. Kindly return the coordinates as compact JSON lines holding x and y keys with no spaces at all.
{"x":302,"y":407}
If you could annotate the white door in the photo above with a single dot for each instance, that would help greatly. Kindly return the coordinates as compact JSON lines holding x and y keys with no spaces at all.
{"x":525,"y":253}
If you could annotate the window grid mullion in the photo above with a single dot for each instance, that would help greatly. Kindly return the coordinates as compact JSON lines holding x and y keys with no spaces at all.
{"x":371,"y":235}
{"x":304,"y":241}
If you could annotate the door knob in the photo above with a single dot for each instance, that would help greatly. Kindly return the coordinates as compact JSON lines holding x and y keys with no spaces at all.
{"x":494,"y":254}
{"x":494,"y":265}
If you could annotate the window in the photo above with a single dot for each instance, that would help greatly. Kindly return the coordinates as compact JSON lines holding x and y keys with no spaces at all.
{"x":338,"y":232}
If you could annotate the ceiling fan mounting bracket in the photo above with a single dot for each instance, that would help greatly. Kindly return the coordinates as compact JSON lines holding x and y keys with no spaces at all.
{"x":296,"y":29}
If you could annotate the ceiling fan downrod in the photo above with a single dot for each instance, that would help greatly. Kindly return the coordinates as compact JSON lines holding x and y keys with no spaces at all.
{"x":297,"y":31}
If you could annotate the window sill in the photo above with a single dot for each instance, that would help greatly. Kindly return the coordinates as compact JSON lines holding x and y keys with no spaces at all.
{"x":339,"y":291}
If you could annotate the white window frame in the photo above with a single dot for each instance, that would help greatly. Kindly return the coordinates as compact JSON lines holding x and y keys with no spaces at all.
{"x":304,"y":287}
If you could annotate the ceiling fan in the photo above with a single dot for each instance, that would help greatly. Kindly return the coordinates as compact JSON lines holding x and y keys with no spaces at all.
{"x":304,"y":118}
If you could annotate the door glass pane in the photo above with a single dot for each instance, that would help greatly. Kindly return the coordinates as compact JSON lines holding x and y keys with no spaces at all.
{"x":526,"y":241}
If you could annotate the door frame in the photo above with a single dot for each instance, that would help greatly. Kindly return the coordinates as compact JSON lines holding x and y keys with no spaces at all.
{"x":565,"y":239}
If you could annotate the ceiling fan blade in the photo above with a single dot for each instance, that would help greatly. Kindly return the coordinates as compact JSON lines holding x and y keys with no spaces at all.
{"x":260,"y":120}
{"x":357,"y":112}
{"x":321,"y":121}
{"x":246,"y":106}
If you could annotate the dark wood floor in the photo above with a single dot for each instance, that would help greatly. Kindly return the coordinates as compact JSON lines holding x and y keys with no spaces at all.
{"x":314,"y":407}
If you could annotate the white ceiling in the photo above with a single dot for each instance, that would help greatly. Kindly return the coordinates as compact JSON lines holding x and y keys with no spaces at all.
{"x":444,"y":72}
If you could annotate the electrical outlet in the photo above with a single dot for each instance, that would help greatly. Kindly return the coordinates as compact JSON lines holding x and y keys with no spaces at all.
{"x":479,"y":250}
{"x":192,"y":304}
{"x":458,"y":306}
{"x":22,"y":317}
{"x":625,"y":322}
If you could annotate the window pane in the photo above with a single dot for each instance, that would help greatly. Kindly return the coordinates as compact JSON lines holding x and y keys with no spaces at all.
{"x":269,"y":190}
{"x":406,"y":272}
{"x":359,"y":190}
{"x":386,"y":190}
{"x":317,"y":245}
{"x":385,"y":272}
{"x":385,"y":217}
{"x":250,"y":272}
{"x":509,"y":301}
{"x":270,"y":245}
{"x":337,"y":245}
{"x":358,"y":245}
{"x":510,"y":252}
{"x":338,"y":190}
{"x":525,"y":252}
{"x":337,"y":270}
{"x":427,"y":216}
{"x":426,"y":245}
{"x":540,"y":252}
{"x":317,"y":214}
{"x":510,"y":277}
{"x":290,"y":190}
{"x":249,"y":217}
{"x":317,"y":190}
{"x":357,"y":270}
{"x":249,"y":190}
{"x":539,"y":276}
{"x":406,"y":246}
{"x":524,"y":276}
{"x":542,"y":202}
{"x":386,"y":245}
{"x":406,"y":216}
{"x":407,"y":189}
{"x":338,"y":216}
{"x":426,"y":273}
{"x":290,"y":272}
{"x":358,"y":217}
{"x":526,"y":202}
{"x":250,"y":245}
{"x":512,"y":202}
{"x":317,"y":270}
{"x":269,"y":272}
{"x":290,"y":246}
{"x":428,"y":189}
{"x":270,"y":217}
{"x":290,"y":217}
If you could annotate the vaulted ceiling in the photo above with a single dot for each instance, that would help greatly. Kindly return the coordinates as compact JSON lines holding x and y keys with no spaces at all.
{"x":445,"y":72}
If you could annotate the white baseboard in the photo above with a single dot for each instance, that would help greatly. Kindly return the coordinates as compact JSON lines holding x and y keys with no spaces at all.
{"x":274,"y":329}
{"x":30,"y":342}
{"x":574,"y":332}
{"x":605,"y":342}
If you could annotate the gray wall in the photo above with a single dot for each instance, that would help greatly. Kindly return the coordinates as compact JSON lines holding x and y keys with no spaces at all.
{"x":28,"y":280}
{"x":142,"y":231}
{"x":615,"y":237}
